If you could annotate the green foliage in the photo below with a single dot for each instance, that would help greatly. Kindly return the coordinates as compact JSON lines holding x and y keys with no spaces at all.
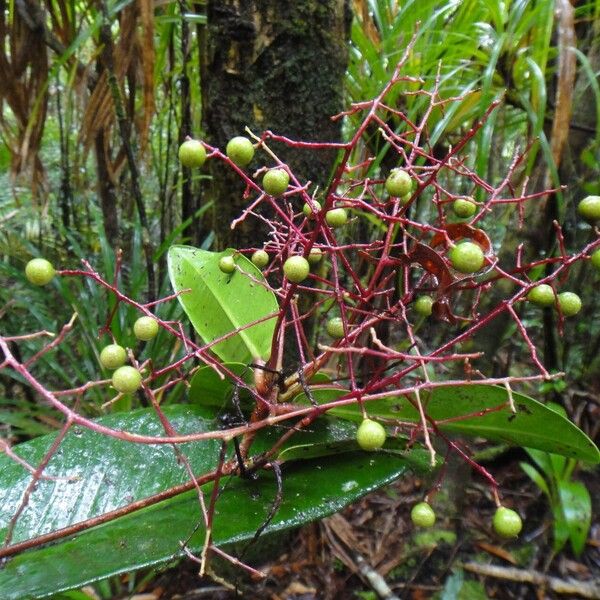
{"x":110,"y":473}
{"x":569,"y":500}
{"x":533,"y":425}
{"x":218,"y":303}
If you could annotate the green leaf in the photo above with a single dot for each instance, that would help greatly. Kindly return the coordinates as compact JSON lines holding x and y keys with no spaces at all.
{"x":208,"y":389}
{"x":219,"y":303}
{"x":577,"y":509}
{"x":535,"y":476}
{"x":479,"y":411}
{"x":112,"y":473}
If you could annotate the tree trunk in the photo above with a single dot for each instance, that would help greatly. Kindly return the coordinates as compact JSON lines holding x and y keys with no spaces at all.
{"x":272,"y":65}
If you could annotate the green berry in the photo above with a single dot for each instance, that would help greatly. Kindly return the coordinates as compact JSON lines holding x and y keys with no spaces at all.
{"x":145,"y":328}
{"x":307,"y":210}
{"x":113,"y":356}
{"x":296,"y":268}
{"x":589,"y":208}
{"x":315,"y":255}
{"x":127,"y":380}
{"x":466,"y":257}
{"x":276,"y":181}
{"x":570,"y":303}
{"x":240,"y":150}
{"x":370,"y":435}
{"x":192,"y":153}
{"x":39,"y":271}
{"x":335,"y":328}
{"x":398,"y":183}
{"x":507,"y":522}
{"x":595,"y":258}
{"x":541,"y":295}
{"x":336,"y":217}
{"x":464,"y":207}
{"x":422,"y":515}
{"x":227,"y":264}
{"x":260,"y":258}
{"x":424,"y":305}
{"x":406,"y":198}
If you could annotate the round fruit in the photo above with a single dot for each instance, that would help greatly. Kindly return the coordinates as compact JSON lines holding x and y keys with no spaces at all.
{"x":596,"y":258}
{"x":113,"y":356}
{"x":307,"y":210}
{"x":296,"y":268}
{"x":370,"y":435}
{"x":542,"y":295}
{"x":464,"y":207}
{"x":335,"y":328}
{"x":589,"y":208}
{"x":145,"y":328}
{"x":570,"y":303}
{"x":39,"y":271}
{"x":466,"y":257}
{"x":260,"y":258}
{"x":240,"y":150}
{"x":276,"y":181}
{"x":406,"y":198}
{"x":315,"y":255}
{"x":192,"y":153}
{"x":507,"y":522}
{"x":336,"y":217}
{"x":422,"y":515}
{"x":227,"y":264}
{"x":424,"y":305}
{"x":398,"y":183}
{"x":126,"y":380}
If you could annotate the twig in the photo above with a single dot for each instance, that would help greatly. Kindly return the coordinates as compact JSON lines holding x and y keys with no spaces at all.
{"x":570,"y":586}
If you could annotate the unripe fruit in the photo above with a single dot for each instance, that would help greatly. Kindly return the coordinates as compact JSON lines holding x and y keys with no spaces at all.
{"x":570,"y":303}
{"x":39,"y":271}
{"x":315,"y":255}
{"x":507,"y":522}
{"x":406,"y":198}
{"x":424,"y":305}
{"x":127,"y":380}
{"x":370,"y":435}
{"x":422,"y":515}
{"x":542,"y":295}
{"x":307,"y":210}
{"x":192,"y":153}
{"x":336,"y":217}
{"x":589,"y":208}
{"x":275,"y":182}
{"x":227,"y":264}
{"x":113,"y":356}
{"x":398,"y":183}
{"x":595,"y":258}
{"x":260,"y":258}
{"x":464,"y":207}
{"x":466,"y":257}
{"x":296,"y":269}
{"x":145,"y":328}
{"x":240,"y":150}
{"x":335,"y":328}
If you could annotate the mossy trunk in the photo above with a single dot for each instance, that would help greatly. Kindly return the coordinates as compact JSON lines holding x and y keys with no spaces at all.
{"x":271,"y":65}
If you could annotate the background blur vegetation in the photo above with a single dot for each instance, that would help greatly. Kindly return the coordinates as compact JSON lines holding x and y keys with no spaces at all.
{"x":96,"y":97}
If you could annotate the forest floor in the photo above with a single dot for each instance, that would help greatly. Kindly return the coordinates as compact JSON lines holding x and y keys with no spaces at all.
{"x":371,"y":550}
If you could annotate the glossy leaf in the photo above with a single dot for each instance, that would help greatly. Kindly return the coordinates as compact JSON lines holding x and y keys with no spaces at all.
{"x":111,"y":473}
{"x":480,"y":411}
{"x":577,"y":509}
{"x":219,"y":303}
